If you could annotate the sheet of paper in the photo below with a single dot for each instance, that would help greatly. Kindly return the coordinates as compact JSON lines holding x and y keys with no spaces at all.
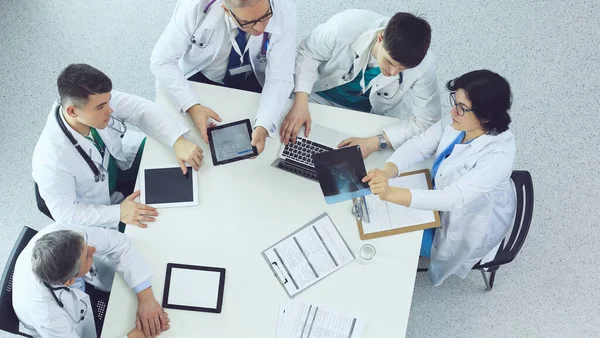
{"x":309,"y":255}
{"x":196,"y":288}
{"x":387,"y":216}
{"x":312,"y":321}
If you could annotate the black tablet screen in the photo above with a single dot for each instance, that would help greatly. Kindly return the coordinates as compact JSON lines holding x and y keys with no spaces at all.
{"x":168,"y":185}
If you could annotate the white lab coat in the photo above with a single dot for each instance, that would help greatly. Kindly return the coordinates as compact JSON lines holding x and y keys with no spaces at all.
{"x":65,"y":180}
{"x":175,"y":58}
{"x":37,"y":309}
{"x":338,"y":50}
{"x":474,"y":193}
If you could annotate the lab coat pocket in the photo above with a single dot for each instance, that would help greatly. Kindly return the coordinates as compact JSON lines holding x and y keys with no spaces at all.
{"x":469,"y":227}
{"x":86,"y":187}
{"x":393,"y":92}
{"x":205,"y":37}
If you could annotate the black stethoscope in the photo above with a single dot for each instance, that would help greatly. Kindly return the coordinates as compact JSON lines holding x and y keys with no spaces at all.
{"x":122,"y":130}
{"x":260,"y":56}
{"x":62,"y":289}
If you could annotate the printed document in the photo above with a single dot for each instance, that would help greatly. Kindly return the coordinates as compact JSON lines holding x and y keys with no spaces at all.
{"x":308,"y":255}
{"x":387,"y":216}
{"x":298,"y":320}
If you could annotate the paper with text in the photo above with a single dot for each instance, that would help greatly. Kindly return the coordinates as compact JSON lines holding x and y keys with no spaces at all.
{"x":308,"y":255}
{"x":298,"y":320}
{"x":387,"y":216}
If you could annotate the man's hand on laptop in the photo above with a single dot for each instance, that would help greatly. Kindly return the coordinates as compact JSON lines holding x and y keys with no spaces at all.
{"x":296,"y":117}
{"x":367,"y":145}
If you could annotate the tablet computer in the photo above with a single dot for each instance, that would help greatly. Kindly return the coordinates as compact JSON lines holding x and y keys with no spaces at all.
{"x":165,"y":186}
{"x":231,"y":142}
{"x":194,"y":288}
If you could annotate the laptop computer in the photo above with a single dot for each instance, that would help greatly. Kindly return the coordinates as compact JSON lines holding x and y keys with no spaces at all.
{"x":296,"y":158}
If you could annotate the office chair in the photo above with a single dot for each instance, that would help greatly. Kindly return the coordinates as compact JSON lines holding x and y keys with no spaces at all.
{"x":8,"y":318}
{"x":9,"y":321}
{"x":41,"y":204}
{"x":510,"y":248}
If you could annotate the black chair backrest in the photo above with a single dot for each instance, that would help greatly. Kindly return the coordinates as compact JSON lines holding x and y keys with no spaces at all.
{"x":509,"y":248}
{"x":41,"y":204}
{"x":8,"y":318}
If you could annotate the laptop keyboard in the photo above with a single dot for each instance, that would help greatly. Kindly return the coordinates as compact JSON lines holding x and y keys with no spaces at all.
{"x":302,"y":151}
{"x":293,"y":168}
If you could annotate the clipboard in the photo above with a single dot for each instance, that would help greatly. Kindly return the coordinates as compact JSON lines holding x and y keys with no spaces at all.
{"x":281,"y":272}
{"x":361,"y":213}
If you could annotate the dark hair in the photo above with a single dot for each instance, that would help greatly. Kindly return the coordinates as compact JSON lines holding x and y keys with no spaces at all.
{"x":78,"y":81}
{"x":406,"y":38}
{"x":56,"y":256}
{"x":490,"y":98}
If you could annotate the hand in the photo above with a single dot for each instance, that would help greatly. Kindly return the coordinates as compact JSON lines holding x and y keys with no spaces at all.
{"x":153,"y":318}
{"x":378,"y":181}
{"x":186,"y":151}
{"x":296,"y":117}
{"x":137,"y":331}
{"x":259,"y":137}
{"x":200,"y":115}
{"x":133,"y":212}
{"x":367,"y":145}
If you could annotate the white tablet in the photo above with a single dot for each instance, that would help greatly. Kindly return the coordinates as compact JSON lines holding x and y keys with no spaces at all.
{"x":165,"y":186}
{"x":194,"y":288}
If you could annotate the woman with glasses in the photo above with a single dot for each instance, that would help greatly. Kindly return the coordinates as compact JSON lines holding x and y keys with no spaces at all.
{"x":242,"y":44}
{"x":474,"y":152}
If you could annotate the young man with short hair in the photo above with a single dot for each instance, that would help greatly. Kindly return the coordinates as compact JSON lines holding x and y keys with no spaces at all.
{"x":368,"y":62}
{"x":86,"y":160}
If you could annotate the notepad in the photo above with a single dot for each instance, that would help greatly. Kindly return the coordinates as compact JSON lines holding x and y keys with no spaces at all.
{"x":385,"y":218}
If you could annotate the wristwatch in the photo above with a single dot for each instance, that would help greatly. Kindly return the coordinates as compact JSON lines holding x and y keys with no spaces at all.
{"x":382,"y":144}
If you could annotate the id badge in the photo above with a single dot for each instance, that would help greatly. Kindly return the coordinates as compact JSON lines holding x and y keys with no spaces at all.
{"x":240,"y":70}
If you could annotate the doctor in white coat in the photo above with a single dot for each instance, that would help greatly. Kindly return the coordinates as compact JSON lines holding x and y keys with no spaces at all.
{"x":78,"y":178}
{"x":368,"y":62}
{"x":243,"y":44}
{"x":474,"y":151}
{"x":60,"y":263}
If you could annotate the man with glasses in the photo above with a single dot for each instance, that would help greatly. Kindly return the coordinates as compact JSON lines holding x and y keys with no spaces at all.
{"x":367,"y":62}
{"x":61,"y":265}
{"x":242,"y":44}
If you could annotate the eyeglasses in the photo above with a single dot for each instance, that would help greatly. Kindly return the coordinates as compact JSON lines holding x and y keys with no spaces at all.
{"x":249,"y":24}
{"x":459,"y":108}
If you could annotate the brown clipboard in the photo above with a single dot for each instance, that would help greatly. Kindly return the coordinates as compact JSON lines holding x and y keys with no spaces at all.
{"x":436,"y":223}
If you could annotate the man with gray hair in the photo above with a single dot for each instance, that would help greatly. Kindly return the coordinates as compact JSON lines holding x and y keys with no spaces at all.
{"x":241,"y":44}
{"x":60,"y":263}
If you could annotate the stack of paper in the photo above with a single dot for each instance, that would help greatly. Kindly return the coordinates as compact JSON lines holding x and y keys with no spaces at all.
{"x":298,"y":320}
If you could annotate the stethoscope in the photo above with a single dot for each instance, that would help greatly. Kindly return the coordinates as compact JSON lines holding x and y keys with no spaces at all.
{"x":260,"y":56}
{"x":350,"y":74}
{"x":111,"y":124}
{"x":58,"y":300}
{"x":62,"y":289}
